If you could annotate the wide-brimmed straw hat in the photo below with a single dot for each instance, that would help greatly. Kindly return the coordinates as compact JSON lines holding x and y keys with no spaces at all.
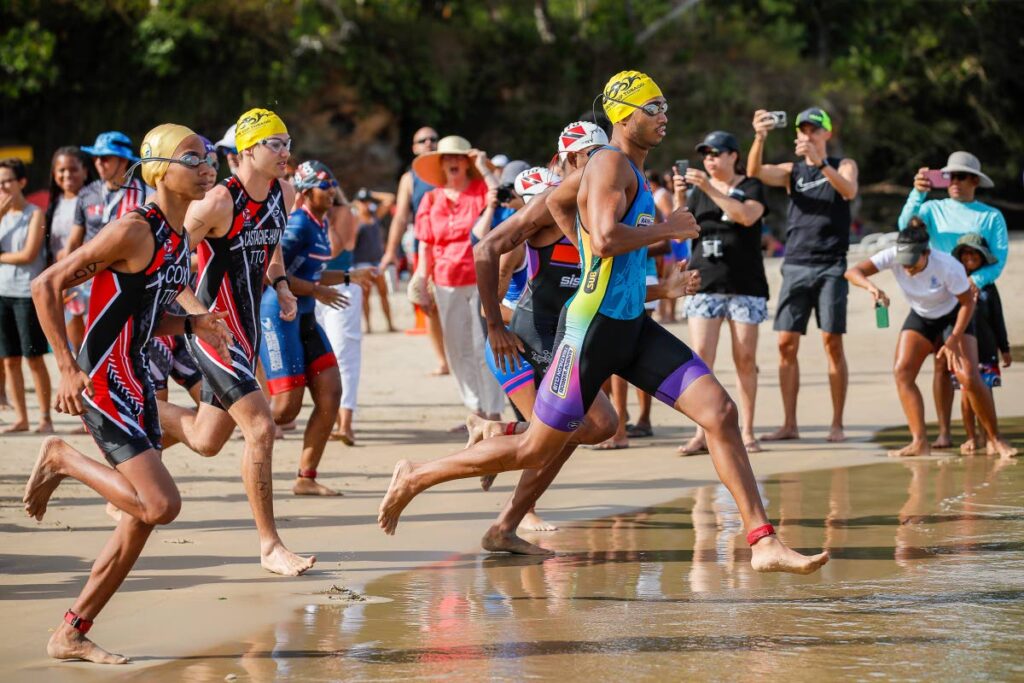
{"x":428,"y":166}
{"x":965,"y":162}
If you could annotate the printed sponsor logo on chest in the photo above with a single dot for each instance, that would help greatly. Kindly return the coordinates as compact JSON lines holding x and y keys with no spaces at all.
{"x":592,"y":275}
{"x":644,"y":220}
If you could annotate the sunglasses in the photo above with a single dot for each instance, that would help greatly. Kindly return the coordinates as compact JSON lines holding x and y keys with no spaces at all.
{"x":713,"y":153}
{"x":652,"y":109}
{"x":959,"y":175}
{"x":429,"y":138}
{"x":324,"y":185}
{"x":275,"y":145}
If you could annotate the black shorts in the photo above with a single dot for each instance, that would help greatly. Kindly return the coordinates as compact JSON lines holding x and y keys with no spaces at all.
{"x":121,"y":416}
{"x":223,"y":382}
{"x":169,"y":358}
{"x":20,"y":332}
{"x":639,"y":350}
{"x":538,"y":334}
{"x":822,"y":289}
{"x":935,"y":330}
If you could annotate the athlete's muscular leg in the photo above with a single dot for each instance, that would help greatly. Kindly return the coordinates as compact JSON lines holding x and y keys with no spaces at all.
{"x":325,"y":389}
{"x":706,"y":402}
{"x":252,"y":414}
{"x":599,"y":425}
{"x":140,"y":485}
{"x":286,"y":405}
{"x":204,"y":430}
{"x":534,"y":448}
{"x":704,"y":333}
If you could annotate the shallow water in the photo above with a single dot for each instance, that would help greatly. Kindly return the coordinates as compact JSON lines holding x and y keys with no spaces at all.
{"x":926,"y":583}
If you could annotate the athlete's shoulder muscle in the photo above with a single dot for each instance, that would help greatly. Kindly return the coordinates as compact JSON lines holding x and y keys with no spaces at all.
{"x":126,"y":245}
{"x":210,"y":216}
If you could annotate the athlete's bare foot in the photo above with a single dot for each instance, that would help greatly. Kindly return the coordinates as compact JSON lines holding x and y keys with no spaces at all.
{"x":67,"y":643}
{"x":400,"y":492}
{"x":481,"y":428}
{"x":495,"y":541}
{"x":771,"y":555}
{"x":836,"y":435}
{"x":943,"y":441}
{"x":14,"y":427}
{"x":45,"y":426}
{"x":912,"y":449}
{"x":751,"y":443}
{"x":304,"y":486}
{"x":440,"y":371}
{"x":971,"y":447}
{"x":487,"y":481}
{"x":45,"y":478}
{"x":612,"y":444}
{"x":693,"y":446}
{"x":280,"y":560}
{"x":782,"y":434}
{"x":1001,"y":448}
{"x":532,"y":522}
{"x":347,"y":438}
{"x":114,"y":512}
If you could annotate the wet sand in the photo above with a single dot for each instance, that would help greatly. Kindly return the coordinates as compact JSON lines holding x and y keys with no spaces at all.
{"x":198,"y":585}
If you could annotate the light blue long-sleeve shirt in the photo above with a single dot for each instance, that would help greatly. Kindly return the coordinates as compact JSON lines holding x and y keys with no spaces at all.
{"x":948,"y":219}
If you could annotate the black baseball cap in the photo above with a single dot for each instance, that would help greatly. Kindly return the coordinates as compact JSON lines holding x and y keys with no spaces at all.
{"x":718,"y":141}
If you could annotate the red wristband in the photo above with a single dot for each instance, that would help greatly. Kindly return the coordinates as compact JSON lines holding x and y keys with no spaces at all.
{"x":759,"y":533}
{"x":510,"y":428}
{"x":78,"y":623}
{"x":307,"y":474}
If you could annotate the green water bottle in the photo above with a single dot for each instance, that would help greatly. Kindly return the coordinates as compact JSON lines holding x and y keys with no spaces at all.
{"x":881,"y":315}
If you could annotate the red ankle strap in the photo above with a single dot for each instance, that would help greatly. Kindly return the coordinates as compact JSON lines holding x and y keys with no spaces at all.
{"x":510,"y":428}
{"x":78,"y":623}
{"x":759,"y":533}
{"x":307,"y":474}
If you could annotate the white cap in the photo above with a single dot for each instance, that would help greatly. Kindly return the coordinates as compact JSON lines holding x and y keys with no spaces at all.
{"x":499,"y":160}
{"x":533,"y":181}
{"x":579,"y":135}
{"x":228,"y":140}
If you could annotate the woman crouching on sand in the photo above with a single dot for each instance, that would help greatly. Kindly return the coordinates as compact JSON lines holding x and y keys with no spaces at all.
{"x":140,"y":264}
{"x":940,"y":322}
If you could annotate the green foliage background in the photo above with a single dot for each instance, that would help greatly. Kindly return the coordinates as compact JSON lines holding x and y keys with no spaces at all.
{"x":907,"y":82}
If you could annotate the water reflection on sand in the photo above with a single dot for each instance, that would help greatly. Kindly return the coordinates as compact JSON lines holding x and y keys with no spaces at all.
{"x":926,"y":582}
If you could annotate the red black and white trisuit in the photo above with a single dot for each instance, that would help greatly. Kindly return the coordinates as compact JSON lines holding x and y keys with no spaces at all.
{"x":231,"y":272}
{"x":124,"y":309}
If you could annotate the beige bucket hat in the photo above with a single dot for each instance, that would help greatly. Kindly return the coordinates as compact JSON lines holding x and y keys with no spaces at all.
{"x":965,"y":162}
{"x":428,"y":166}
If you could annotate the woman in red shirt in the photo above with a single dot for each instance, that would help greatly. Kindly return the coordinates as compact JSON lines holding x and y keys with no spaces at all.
{"x":444,"y":221}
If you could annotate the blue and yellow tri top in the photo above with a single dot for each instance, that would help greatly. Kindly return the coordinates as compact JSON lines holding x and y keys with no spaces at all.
{"x":306,"y":249}
{"x":615,"y":286}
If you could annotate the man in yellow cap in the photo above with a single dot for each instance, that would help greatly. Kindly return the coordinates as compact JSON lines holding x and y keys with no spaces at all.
{"x":237,"y":228}
{"x":604,"y":331}
{"x":140,"y":266}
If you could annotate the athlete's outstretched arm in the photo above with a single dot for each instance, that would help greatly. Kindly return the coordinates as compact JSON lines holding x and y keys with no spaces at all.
{"x":207,"y":326}
{"x":125,"y":243}
{"x":603,"y":197}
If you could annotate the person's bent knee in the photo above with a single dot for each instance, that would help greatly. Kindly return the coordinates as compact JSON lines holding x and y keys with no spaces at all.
{"x":327,"y":398}
{"x":723,"y":417}
{"x":904,"y":374}
{"x":261,"y":432}
{"x":163,"y":510}
{"x":788,"y":347}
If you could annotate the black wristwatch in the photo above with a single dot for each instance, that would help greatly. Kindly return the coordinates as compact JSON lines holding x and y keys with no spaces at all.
{"x":348,"y":278}
{"x":188,"y":326}
{"x":823,"y":164}
{"x":278,"y":279}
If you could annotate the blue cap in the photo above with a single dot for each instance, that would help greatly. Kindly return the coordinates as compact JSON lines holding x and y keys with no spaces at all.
{"x":112,"y":143}
{"x":207,"y":145}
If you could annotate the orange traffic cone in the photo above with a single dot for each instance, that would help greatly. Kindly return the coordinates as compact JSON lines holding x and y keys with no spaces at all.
{"x":421,"y":322}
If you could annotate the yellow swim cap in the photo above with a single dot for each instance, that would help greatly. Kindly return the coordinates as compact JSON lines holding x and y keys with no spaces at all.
{"x":627,"y":86}
{"x":255,"y":125}
{"x":160,"y":142}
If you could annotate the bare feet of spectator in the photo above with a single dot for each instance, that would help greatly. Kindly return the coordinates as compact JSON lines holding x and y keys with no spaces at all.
{"x":835,"y":435}
{"x":782,"y":434}
{"x":913,"y":448}
{"x":944,"y":441}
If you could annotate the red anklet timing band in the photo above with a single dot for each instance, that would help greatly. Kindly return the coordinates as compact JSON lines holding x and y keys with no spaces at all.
{"x":307,"y":474}
{"x":759,"y":533}
{"x":78,"y":623}
{"x":510,"y":428}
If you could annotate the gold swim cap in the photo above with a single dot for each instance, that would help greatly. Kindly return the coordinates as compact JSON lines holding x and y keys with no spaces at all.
{"x":162,"y":141}
{"x":255,"y":125}
{"x":627,"y":86}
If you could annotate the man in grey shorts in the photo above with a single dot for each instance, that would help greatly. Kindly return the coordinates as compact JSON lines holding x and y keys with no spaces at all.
{"x":820,"y":189}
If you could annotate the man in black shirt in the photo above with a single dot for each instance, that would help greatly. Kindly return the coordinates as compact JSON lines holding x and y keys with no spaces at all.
{"x":817,"y":238}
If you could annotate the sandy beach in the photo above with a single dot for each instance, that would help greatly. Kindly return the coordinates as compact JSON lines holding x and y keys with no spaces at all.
{"x":199,"y":582}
